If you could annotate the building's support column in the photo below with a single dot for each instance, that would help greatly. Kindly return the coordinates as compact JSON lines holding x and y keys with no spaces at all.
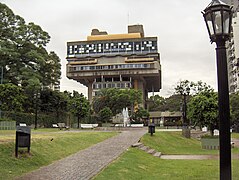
{"x":90,"y":91}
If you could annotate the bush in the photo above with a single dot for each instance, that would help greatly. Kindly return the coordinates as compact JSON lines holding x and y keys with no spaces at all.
{"x":5,"y":119}
{"x":43,"y":120}
{"x":209,"y":136}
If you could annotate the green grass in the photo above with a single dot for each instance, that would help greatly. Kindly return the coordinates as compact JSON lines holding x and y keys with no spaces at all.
{"x":44,"y":151}
{"x":7,"y":132}
{"x":10,"y":135}
{"x":235,"y":135}
{"x":136,"y":164}
{"x":175,"y":143}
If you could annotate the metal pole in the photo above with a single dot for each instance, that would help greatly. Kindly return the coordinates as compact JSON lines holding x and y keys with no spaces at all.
{"x":1,"y":75}
{"x":78,"y":121}
{"x":224,"y":112}
{"x":36,"y":106}
{"x":185,"y":109}
{"x":1,"y":82}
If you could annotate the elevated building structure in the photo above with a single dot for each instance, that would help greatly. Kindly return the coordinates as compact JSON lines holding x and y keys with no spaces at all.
{"x":122,"y":61}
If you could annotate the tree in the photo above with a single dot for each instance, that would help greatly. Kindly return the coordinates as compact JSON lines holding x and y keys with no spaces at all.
{"x":105,"y":114}
{"x":11,"y":97}
{"x":79,"y":106}
{"x":234,"y":106}
{"x":157,"y":103}
{"x":192,"y":88}
{"x":138,"y":115}
{"x":203,"y":110}
{"x":51,"y":70}
{"x":172,"y":103}
{"x":23,"y":51}
{"x":116,"y":99}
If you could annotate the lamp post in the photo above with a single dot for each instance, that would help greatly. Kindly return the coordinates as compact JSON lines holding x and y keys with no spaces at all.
{"x":1,"y":82}
{"x":36,"y":97}
{"x":184,"y":93}
{"x":218,"y":18}
{"x":78,"y":109}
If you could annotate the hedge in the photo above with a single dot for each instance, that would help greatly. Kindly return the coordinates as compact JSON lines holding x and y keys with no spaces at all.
{"x":43,"y":120}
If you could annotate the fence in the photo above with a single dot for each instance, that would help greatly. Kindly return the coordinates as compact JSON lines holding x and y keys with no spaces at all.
{"x":7,"y":125}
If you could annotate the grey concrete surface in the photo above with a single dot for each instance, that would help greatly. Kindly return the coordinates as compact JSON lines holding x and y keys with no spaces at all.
{"x":87,"y":163}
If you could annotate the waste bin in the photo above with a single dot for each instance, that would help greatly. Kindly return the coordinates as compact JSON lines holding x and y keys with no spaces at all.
{"x":151,"y":128}
{"x":23,"y":138}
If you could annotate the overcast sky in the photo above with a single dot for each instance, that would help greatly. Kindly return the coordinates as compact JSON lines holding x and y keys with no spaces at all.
{"x":184,"y":46}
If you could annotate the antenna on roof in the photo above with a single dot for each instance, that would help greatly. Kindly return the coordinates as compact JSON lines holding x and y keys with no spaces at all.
{"x":128,"y":17}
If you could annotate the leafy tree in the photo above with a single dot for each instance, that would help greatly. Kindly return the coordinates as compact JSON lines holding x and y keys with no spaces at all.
{"x":105,"y":114}
{"x":11,"y":97}
{"x":138,"y":115}
{"x":172,"y":103}
{"x":51,"y":70}
{"x":23,"y":54}
{"x":79,"y":105}
{"x":157,"y":103}
{"x":116,"y":99}
{"x":203,"y":110}
{"x":190,"y":87}
{"x":234,"y":103}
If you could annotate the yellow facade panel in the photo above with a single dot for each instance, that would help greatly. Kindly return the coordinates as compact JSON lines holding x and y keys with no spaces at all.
{"x":84,"y":62}
{"x":113,"y":37}
{"x":139,"y":60}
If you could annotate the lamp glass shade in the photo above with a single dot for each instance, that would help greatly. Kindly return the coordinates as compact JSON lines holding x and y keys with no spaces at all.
{"x":226,"y":22}
{"x":218,"y":20}
{"x":209,"y":23}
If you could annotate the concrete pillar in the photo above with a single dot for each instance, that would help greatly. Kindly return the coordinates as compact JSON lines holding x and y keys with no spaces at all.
{"x":90,"y":91}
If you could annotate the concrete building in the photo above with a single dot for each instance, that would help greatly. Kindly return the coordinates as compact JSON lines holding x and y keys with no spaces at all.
{"x":115,"y":61}
{"x":233,"y":49}
{"x":166,"y":118}
{"x":233,"y":56}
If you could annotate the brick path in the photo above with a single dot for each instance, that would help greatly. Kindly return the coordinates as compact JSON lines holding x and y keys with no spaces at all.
{"x":87,"y":163}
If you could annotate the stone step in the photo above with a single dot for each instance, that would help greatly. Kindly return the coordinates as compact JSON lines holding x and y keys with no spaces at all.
{"x":157,"y":154}
{"x":144,"y":148}
{"x":137,"y":145}
{"x":151,"y":151}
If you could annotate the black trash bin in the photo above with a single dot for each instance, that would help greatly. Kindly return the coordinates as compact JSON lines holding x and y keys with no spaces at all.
{"x":151,"y":128}
{"x":23,"y":138}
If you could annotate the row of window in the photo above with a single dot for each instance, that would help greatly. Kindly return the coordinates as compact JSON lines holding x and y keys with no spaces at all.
{"x":112,"y":79}
{"x":84,"y":48}
{"x":112,"y":85}
{"x":105,"y":67}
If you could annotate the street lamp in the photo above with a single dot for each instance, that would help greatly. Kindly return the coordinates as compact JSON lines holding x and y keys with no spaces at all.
{"x":36,"y":97}
{"x":184,"y":93}
{"x":218,"y":18}
{"x":1,"y":82}
{"x":78,"y":109}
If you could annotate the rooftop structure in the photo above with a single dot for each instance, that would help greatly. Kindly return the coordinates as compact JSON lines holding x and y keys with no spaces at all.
{"x":115,"y":61}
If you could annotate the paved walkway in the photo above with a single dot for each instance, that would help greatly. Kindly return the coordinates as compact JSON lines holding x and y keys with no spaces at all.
{"x":195,"y":157}
{"x":87,"y":163}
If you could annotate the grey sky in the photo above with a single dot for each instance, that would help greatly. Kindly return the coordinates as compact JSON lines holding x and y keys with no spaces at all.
{"x":186,"y":52}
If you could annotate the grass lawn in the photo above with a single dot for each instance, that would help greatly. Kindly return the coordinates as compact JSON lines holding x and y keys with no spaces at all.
{"x":235,"y":135}
{"x":136,"y":164}
{"x":10,"y":135}
{"x":44,"y":151}
{"x":175,"y":143}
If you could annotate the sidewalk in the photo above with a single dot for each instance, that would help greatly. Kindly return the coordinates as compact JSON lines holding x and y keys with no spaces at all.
{"x":87,"y":163}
